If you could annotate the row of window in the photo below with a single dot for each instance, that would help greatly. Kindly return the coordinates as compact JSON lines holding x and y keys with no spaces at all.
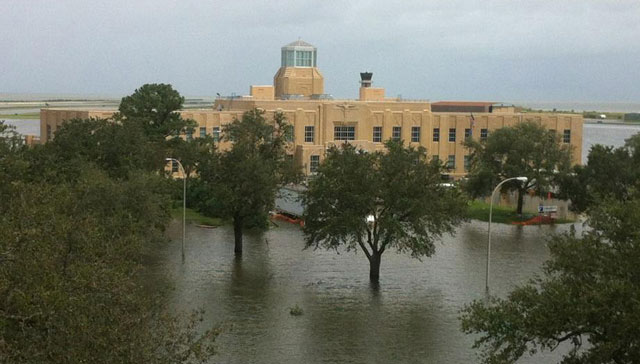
{"x":348,"y":133}
{"x":314,"y":162}
{"x":203,"y":133}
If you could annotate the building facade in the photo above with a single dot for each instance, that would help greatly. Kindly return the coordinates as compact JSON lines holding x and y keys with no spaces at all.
{"x":320,"y":121}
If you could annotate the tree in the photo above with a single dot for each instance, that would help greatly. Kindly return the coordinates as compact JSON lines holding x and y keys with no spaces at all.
{"x":155,"y":107}
{"x":244,"y":180}
{"x":117,"y":148}
{"x":377,"y":201}
{"x":77,"y":217}
{"x":609,"y":173}
{"x":72,"y":281}
{"x":191,"y":152}
{"x":588,"y":297}
{"x":526,"y":149}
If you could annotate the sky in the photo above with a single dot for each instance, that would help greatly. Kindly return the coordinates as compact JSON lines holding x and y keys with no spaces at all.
{"x":537,"y":50}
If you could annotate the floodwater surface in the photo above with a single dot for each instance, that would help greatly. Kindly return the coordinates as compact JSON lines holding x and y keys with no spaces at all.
{"x":411,"y":318}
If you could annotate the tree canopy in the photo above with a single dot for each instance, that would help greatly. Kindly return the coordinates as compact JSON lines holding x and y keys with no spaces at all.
{"x":77,"y":217}
{"x":379,"y":201}
{"x":526,"y":149}
{"x":609,"y":173}
{"x":155,"y":107}
{"x":242,"y":182}
{"x":588,"y":295}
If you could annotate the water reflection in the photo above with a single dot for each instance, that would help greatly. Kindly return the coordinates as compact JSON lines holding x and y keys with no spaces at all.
{"x":411,"y":317}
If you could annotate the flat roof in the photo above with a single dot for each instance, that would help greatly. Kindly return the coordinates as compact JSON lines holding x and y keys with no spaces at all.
{"x":464,"y":103}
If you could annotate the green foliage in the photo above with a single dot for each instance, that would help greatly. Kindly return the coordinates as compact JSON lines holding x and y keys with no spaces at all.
{"x":117,"y":148}
{"x":526,"y":149}
{"x":399,"y":190}
{"x":71,"y":274}
{"x":610,"y":173}
{"x":241,"y":183}
{"x":587,"y":298}
{"x":589,"y":294}
{"x":155,"y":107}
{"x":78,"y":215}
{"x":191,"y":152}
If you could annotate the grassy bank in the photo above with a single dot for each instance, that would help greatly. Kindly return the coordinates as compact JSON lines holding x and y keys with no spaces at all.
{"x":479,"y":210}
{"x":32,"y":116}
{"x":193,"y":217}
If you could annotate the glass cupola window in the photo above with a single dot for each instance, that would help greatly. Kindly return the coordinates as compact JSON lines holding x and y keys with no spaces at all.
{"x":299,"y":54}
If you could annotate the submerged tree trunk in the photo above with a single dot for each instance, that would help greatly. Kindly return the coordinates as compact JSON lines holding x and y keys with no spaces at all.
{"x":520,"y":200}
{"x":237,"y":232}
{"x":374,"y":267}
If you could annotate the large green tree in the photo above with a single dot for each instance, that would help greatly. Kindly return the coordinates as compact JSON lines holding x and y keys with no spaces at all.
{"x":379,"y":201}
{"x":117,"y":148}
{"x":526,"y":149}
{"x":72,"y":278}
{"x":155,"y":107}
{"x":78,"y":216}
{"x":609,"y":173}
{"x":242,"y":182}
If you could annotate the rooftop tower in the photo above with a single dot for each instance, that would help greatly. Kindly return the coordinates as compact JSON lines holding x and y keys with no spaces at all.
{"x":298,"y":76}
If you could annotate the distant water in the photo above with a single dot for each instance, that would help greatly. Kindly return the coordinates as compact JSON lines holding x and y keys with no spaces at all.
{"x":581,"y":106}
{"x":25,"y":126}
{"x":606,"y":134}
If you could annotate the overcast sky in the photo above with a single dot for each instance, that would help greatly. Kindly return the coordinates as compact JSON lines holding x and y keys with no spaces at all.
{"x":578,"y":50}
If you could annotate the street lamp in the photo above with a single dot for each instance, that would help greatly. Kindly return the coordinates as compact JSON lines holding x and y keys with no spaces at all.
{"x":521,"y":179}
{"x":184,"y":201}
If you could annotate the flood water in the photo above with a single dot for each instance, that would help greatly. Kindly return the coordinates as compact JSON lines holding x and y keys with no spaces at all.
{"x":411,"y":318}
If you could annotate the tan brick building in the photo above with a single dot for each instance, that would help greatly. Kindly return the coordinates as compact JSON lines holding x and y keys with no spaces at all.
{"x":320,"y":121}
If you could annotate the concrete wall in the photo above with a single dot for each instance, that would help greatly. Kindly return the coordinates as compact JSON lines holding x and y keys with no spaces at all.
{"x":304,"y":81}
{"x":262,"y":92}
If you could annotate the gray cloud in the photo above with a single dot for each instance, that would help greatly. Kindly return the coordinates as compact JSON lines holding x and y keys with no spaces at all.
{"x":498,"y":50}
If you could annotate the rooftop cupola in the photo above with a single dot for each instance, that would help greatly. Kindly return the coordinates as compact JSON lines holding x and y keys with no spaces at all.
{"x":299,"y":54}
{"x":298,"y":76}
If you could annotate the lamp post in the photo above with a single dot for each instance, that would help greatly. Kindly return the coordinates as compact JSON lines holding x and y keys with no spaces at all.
{"x":184,"y":201}
{"x":521,"y":179}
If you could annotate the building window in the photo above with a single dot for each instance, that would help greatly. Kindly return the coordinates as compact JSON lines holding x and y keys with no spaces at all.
{"x":303,"y":58}
{"x":289,"y":132}
{"x":415,"y":134}
{"x":309,"y":132}
{"x":436,"y":134}
{"x":435,"y":157}
{"x":452,"y":134}
{"x":484,"y":134}
{"x":203,"y":132}
{"x":48,"y":132}
{"x":566,"y":137}
{"x":174,"y":166}
{"x":314,"y":162}
{"x":396,"y":132}
{"x":451,"y":162}
{"x":189,"y":134}
{"x":216,"y":134}
{"x":468,"y":133}
{"x":377,"y":134}
{"x":467,"y":163}
{"x":344,"y":133}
